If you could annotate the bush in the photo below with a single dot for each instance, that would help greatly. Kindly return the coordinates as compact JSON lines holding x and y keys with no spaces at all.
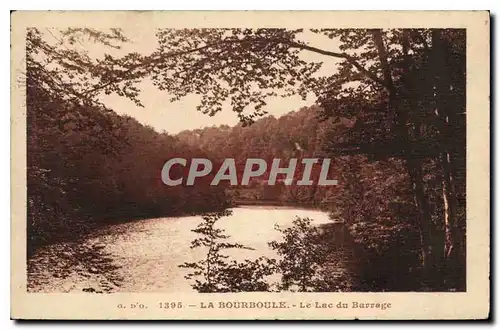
{"x":302,"y":256}
{"x":215,"y":273}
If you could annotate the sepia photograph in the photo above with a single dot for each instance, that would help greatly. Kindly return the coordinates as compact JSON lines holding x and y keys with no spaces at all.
{"x":267,"y":159}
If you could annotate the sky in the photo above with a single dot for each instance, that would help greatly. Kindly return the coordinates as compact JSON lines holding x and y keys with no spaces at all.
{"x":174,"y":117}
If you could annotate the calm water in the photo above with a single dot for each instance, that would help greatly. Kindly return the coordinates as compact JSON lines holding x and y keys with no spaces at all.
{"x":144,"y":255}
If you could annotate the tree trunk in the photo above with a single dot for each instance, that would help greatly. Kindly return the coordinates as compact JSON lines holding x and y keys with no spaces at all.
{"x":415,"y":170}
{"x":399,"y":105}
{"x":442,"y":84}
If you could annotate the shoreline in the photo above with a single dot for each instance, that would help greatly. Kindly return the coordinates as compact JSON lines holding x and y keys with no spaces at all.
{"x":306,"y":206}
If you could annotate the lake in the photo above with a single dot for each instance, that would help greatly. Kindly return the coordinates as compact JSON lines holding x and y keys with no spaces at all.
{"x":144,"y":255}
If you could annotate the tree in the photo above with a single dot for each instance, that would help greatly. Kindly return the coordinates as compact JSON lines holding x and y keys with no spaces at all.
{"x":216,"y":272}
{"x":302,"y":255}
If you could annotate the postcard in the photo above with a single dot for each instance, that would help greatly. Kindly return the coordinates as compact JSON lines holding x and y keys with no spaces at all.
{"x":307,"y":165}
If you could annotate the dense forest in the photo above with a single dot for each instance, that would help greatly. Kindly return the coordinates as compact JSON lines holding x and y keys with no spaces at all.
{"x":88,"y":166}
{"x":392,"y":119}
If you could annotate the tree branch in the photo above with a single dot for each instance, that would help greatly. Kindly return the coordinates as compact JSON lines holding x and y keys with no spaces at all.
{"x":345,"y":56}
{"x":382,"y":54}
{"x":293,"y":44}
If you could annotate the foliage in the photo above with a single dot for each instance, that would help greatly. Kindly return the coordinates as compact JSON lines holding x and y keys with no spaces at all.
{"x":302,"y":255}
{"x":216,"y":272}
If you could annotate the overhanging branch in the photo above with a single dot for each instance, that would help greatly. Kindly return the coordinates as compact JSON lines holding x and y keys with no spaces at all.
{"x":292,"y":44}
{"x":345,"y":56}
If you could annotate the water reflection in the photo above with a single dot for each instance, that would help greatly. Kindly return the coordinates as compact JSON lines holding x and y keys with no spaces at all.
{"x":144,"y":255}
